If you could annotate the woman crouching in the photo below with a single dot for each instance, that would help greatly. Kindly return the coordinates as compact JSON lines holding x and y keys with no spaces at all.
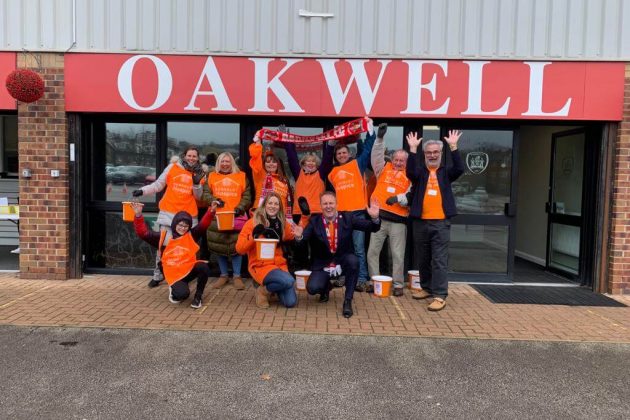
{"x":178,"y":258}
{"x":272,"y":275}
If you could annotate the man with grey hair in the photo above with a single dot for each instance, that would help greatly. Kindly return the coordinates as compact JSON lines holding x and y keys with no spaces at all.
{"x":391,"y":188}
{"x":432,"y":205}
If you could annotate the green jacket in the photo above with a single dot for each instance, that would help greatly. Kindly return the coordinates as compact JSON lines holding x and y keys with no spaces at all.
{"x":224,"y":242}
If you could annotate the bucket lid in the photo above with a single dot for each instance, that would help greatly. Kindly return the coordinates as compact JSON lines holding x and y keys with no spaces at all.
{"x":266,"y":240}
{"x":381,"y":278}
{"x":303,"y":273}
{"x":225,"y":212}
{"x":412,"y":272}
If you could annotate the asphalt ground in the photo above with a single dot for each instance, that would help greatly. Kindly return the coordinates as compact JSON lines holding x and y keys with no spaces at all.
{"x":91,"y":373}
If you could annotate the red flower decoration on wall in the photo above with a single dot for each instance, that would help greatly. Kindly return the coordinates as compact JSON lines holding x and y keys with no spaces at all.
{"x":25,"y":85}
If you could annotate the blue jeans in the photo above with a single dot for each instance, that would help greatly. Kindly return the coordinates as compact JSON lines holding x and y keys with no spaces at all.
{"x":358,"y":240}
{"x":282,"y":283}
{"x":236,"y":264}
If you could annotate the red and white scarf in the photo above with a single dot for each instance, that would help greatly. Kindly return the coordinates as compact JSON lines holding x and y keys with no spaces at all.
{"x":349,"y":129}
{"x":332,"y":234}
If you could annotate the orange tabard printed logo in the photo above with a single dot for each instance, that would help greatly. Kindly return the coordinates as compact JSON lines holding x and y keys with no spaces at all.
{"x":226,"y":188}
{"x":176,"y":256}
{"x":343,"y":180}
{"x":182,"y":183}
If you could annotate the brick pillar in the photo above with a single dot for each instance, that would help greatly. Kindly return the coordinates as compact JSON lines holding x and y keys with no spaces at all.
{"x":619,"y":242}
{"x":44,"y":200}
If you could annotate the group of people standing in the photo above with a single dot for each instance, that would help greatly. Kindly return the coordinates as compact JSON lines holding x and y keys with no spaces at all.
{"x":321,"y":222}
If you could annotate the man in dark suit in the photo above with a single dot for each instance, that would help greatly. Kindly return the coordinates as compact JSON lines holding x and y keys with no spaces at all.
{"x":332,"y":251}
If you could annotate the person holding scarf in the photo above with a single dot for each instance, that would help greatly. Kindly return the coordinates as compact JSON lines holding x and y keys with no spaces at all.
{"x":182,"y":181}
{"x":178,"y":256}
{"x":229,"y":184}
{"x":272,"y":275}
{"x":268,"y":175}
{"x":332,"y":250}
{"x":347,"y":179}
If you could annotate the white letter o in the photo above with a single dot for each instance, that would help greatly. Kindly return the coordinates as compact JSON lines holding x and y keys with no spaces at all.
{"x":165,"y":82}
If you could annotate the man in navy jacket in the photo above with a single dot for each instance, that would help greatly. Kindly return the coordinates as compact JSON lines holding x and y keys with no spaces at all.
{"x":332,"y":249}
{"x":432,"y":205}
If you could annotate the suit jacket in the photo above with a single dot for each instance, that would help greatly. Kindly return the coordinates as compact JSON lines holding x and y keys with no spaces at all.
{"x":315,"y":235}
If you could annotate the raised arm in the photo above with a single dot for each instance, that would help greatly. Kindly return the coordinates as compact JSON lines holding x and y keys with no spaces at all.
{"x":292,"y":158}
{"x":364,"y":158}
{"x":139,"y":225}
{"x":328,"y":153}
{"x":457,"y":169}
{"x":378,"y":151}
{"x":413,"y":170}
{"x":200,"y":228}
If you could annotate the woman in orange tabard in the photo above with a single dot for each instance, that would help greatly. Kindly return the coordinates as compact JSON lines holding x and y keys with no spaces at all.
{"x":179,"y":255}
{"x":272,"y":275}
{"x":182,"y":181}
{"x":268,"y":175}
{"x":230,"y":184}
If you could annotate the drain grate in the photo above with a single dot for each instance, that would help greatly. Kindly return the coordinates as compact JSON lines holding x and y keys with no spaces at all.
{"x":535,"y":295}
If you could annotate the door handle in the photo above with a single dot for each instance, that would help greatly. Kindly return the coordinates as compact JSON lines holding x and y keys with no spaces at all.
{"x":509,"y":209}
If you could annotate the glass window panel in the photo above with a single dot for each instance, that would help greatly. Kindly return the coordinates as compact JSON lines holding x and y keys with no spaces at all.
{"x":115,"y":244}
{"x":393,"y":140}
{"x":478,"y":249}
{"x":564,"y":252}
{"x":130,"y":156}
{"x":484,"y":188}
{"x":9,"y":144}
{"x":567,"y":174}
{"x":431,"y":132}
{"x":209,"y":138}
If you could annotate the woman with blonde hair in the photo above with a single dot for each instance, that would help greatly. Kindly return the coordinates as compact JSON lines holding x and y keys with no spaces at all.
{"x":272,"y":275}
{"x":228,"y":183}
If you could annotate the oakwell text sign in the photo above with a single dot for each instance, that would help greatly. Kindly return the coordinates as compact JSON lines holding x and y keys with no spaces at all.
{"x":347,"y":88}
{"x":7,"y":65}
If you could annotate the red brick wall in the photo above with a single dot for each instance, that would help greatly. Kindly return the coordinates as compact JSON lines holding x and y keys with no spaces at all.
{"x":44,"y":200}
{"x":619,"y":251}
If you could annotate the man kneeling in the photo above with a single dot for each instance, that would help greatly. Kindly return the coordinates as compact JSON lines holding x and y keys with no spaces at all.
{"x":332,"y":251}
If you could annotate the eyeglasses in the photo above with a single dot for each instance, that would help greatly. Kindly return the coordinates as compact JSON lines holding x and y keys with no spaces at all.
{"x":183,"y":225}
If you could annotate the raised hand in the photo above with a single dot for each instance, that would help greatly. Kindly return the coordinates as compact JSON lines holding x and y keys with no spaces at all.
{"x":137,"y":207}
{"x":374,"y":208}
{"x":297,"y":230}
{"x":256,"y":138}
{"x":382,"y":129}
{"x":453,"y":138}
{"x":413,"y":141}
{"x":370,"y":126}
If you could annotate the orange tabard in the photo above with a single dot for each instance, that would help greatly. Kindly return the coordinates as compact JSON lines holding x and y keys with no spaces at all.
{"x":309,"y":186}
{"x":227,"y":187}
{"x":391,"y":182}
{"x":179,"y":257}
{"x":349,"y":186}
{"x":432,"y":204}
{"x":259,"y":176}
{"x":179,"y":195}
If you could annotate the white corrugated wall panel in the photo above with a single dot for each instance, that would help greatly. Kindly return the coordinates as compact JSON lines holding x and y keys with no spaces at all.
{"x":484,"y":29}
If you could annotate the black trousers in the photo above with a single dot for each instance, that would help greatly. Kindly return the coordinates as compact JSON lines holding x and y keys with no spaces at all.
{"x":319,"y":281}
{"x":430,"y":242}
{"x":180,"y":289}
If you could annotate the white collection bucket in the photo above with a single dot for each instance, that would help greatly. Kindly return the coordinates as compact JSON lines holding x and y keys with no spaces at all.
{"x":266,"y":248}
{"x":413,"y":279}
{"x":382,"y":286}
{"x":301,"y":279}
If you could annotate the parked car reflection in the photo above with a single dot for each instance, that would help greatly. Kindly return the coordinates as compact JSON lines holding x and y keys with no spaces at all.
{"x":128,"y":174}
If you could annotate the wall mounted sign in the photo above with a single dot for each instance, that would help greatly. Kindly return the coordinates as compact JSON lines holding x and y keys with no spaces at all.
{"x":348,"y":88}
{"x":477,"y":162}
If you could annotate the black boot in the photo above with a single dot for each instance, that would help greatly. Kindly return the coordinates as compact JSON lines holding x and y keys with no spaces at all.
{"x":325,"y":295}
{"x":347,"y":308}
{"x":154,"y":283}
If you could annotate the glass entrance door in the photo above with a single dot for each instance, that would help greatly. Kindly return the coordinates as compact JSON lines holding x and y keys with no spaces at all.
{"x":482,"y":235}
{"x":565,"y":202}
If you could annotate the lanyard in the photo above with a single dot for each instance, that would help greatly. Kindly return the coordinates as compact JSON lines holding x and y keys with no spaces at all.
{"x":332,"y":236}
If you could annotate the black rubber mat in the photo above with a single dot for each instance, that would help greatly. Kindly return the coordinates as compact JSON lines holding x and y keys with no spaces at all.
{"x":535,"y":295}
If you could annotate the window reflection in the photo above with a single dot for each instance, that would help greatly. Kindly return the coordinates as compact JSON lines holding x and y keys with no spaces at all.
{"x":478,"y":249}
{"x":130,"y":156}
{"x":211,"y":139}
{"x":484,"y":188}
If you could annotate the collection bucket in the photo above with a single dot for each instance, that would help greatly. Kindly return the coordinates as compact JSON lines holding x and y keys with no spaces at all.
{"x":225,"y":220}
{"x":413,"y":279}
{"x":266,"y":248}
{"x":382,"y":286}
{"x":128,"y":213}
{"x":301,"y":278}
